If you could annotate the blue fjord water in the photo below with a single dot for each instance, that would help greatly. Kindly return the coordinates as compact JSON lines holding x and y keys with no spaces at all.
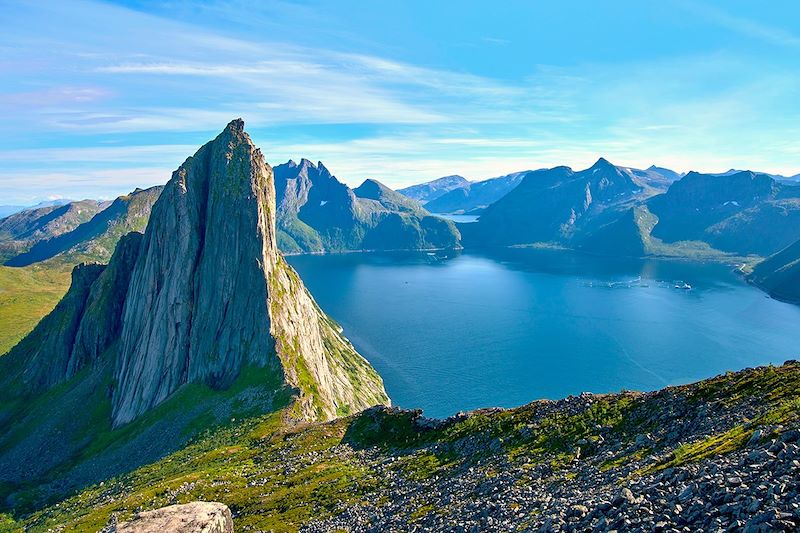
{"x":508,"y":327}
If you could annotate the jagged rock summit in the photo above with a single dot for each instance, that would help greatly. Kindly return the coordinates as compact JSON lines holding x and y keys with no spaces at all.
{"x":201,"y":297}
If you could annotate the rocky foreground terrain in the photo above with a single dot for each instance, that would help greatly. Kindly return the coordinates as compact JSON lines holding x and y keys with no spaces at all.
{"x":719,"y":455}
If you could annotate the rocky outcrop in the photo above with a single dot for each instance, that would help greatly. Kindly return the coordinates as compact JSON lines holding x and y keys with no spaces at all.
{"x":197,"y":310}
{"x":194,"y":517}
{"x":219,"y":298}
{"x":199,"y":298}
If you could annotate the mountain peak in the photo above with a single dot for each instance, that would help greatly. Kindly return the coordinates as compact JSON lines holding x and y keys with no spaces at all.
{"x":235,"y":126}
{"x":602,"y":163}
{"x":371,"y":188}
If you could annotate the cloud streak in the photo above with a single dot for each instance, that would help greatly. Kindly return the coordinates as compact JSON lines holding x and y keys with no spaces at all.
{"x":100,"y":95}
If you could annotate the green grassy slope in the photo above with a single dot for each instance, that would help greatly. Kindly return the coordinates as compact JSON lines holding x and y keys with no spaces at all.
{"x":277,"y":478}
{"x":26,"y":295}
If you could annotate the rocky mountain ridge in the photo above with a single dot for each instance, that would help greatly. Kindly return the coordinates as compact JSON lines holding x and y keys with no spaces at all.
{"x":476,"y":196}
{"x":432,"y":190}
{"x":558,"y":206}
{"x":318,"y":213}
{"x":614,"y":210}
{"x":94,"y":240}
{"x":22,"y":230}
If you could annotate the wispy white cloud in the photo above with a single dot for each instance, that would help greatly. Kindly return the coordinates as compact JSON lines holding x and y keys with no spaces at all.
{"x":134,"y":78}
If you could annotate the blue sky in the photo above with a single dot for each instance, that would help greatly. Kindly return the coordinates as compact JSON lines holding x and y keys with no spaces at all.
{"x":97,"y":98}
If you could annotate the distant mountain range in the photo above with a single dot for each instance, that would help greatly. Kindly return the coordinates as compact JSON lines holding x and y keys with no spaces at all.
{"x":559,"y":206}
{"x":6,"y":210}
{"x":21,"y":230}
{"x":465,"y":197}
{"x":743,"y":212}
{"x":473,"y":198}
{"x":93,"y":239}
{"x":779,"y":177}
{"x":615,"y":210}
{"x":429,"y":191}
{"x":605,"y":209}
{"x":318,"y":213}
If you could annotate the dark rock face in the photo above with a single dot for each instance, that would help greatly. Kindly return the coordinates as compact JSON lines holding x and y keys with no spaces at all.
{"x":102,"y":320}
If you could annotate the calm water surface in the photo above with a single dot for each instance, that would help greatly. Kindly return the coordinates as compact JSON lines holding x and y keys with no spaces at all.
{"x":459,"y":218}
{"x":502,"y":329}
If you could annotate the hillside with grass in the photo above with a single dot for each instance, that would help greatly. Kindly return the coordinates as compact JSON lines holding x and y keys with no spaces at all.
{"x":26,"y":295}
{"x":721,"y":453}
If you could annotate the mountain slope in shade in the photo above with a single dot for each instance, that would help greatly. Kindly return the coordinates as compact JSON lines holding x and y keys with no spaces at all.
{"x":431,"y":190}
{"x":95,"y":239}
{"x":742,"y":212}
{"x":188,"y":324}
{"x":779,"y":274}
{"x":318,"y":213}
{"x":22,"y":230}
{"x":558,"y":206}
{"x":476,"y":196}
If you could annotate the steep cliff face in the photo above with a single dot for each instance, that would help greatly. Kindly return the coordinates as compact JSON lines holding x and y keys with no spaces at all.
{"x":215,"y":300}
{"x":201,"y":296}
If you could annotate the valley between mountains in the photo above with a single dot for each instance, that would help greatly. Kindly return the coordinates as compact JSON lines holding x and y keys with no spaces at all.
{"x":186,"y":360}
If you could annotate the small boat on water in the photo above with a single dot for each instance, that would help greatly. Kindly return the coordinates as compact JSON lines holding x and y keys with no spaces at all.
{"x":682,"y":285}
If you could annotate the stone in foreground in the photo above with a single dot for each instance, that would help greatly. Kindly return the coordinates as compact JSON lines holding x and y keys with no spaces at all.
{"x":194,"y":517}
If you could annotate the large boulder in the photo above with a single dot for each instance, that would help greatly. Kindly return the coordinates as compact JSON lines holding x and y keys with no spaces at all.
{"x":194,"y":517}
